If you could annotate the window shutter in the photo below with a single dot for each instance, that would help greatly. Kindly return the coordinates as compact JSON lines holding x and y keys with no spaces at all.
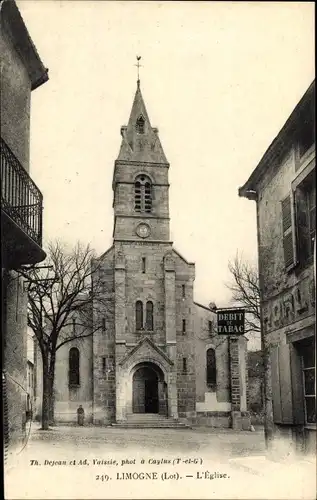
{"x":285,"y":384}
{"x":275,"y":380}
{"x":288,"y":233}
{"x":297,"y":386}
{"x":282,"y":384}
{"x":303,"y":235}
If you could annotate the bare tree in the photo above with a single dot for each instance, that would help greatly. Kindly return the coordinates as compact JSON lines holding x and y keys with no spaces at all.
{"x":246,"y":292}
{"x":245,"y":289}
{"x":61,"y":293}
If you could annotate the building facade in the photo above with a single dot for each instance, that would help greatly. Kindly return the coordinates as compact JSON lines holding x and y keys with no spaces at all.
{"x":157,"y":356}
{"x":283,"y":185}
{"x":22,"y":71}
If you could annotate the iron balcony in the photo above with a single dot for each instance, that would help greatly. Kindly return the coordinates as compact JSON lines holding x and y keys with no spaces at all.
{"x":21,"y":213}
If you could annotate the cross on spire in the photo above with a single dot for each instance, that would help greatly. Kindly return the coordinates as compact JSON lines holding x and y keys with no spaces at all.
{"x":138,"y":65}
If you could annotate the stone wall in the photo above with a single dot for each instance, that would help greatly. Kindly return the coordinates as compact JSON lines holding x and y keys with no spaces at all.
{"x":104,"y":344}
{"x":15,"y":98}
{"x":288,"y":293}
{"x":67,"y":399}
{"x":15,"y":355}
{"x":210,"y":398}
{"x":15,"y":101}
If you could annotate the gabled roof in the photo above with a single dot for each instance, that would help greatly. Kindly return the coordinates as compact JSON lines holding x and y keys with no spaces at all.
{"x":13,"y":24}
{"x":204,"y":307}
{"x":281,"y":141}
{"x":183,"y":258}
{"x":147,"y":340}
{"x":140,"y":147}
{"x":103,"y":255}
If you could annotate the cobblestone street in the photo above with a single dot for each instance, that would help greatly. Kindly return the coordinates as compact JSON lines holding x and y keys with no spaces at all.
{"x":95,"y":462}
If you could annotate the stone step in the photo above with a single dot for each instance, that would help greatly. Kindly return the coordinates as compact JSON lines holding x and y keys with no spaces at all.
{"x":146,"y":416}
{"x":150,"y":421}
{"x":151,"y":425}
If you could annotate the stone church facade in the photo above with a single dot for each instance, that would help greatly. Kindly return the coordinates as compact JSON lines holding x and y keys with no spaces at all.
{"x":156,"y":353}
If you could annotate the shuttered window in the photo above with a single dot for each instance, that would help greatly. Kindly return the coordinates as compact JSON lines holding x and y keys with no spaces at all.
{"x":288,"y":232}
{"x":281,"y":384}
{"x":294,"y":382}
{"x":305,"y":197}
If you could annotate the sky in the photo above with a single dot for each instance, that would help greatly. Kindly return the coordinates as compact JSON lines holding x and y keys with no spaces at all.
{"x":219,"y":80}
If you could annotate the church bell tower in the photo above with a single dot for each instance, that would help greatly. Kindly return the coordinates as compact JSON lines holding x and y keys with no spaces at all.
{"x":140,"y":181}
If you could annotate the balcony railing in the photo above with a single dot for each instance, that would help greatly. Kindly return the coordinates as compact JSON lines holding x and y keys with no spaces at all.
{"x":20,"y":197}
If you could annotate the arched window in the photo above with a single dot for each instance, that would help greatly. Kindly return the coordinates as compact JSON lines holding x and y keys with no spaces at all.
{"x":143,"y":194}
{"x":73,"y":373}
{"x":149,"y":316}
{"x":139,"y":315}
{"x":140,"y":125}
{"x":211,"y":367}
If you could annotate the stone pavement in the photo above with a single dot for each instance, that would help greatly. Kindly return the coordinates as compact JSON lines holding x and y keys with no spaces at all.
{"x":104,"y":462}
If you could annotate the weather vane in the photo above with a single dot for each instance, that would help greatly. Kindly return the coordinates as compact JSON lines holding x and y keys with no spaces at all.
{"x":138,"y":65}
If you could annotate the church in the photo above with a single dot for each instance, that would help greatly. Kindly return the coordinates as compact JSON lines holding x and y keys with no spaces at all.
{"x":157,"y":360}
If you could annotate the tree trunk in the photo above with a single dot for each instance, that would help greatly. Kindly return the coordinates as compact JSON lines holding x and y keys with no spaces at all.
{"x":46,"y":395}
{"x":51,"y":389}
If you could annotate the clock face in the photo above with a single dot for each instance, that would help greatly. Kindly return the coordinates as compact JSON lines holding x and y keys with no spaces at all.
{"x":143,"y":230}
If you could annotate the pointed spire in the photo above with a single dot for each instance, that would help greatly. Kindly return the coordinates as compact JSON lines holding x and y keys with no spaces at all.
{"x":138,"y":65}
{"x":140,"y":141}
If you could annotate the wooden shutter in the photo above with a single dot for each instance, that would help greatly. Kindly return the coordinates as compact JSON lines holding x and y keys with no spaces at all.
{"x":276,"y":391}
{"x":297,"y":386}
{"x":288,"y":232}
{"x":303,"y":234}
{"x":285,"y":384}
{"x":282,"y":385}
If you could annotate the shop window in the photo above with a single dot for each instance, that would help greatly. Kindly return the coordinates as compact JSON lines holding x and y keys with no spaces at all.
{"x":309,"y":383}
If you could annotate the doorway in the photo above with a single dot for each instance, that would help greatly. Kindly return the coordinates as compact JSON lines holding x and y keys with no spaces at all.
{"x":145,"y":397}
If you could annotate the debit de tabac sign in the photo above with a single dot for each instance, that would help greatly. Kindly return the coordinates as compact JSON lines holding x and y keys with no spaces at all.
{"x":230,"y":321}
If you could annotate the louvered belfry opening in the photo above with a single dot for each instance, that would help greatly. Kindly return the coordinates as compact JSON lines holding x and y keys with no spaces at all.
{"x":140,"y":125}
{"x":147,"y":197}
{"x":143,"y":194}
{"x":137,"y":196}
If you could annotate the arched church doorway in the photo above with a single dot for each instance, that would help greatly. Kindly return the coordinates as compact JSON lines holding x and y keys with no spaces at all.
{"x":147,"y":389}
